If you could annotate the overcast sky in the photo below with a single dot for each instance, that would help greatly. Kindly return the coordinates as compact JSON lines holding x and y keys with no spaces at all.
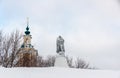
{"x":91,"y":28}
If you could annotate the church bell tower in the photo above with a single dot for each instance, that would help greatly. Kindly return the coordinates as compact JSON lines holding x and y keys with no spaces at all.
{"x":27,"y":38}
{"x":27,"y":55}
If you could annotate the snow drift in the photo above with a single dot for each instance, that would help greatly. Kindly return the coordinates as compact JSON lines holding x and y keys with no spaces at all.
{"x":55,"y":72}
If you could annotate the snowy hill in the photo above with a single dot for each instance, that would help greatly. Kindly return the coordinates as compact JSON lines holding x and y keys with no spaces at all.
{"x":54,"y":72}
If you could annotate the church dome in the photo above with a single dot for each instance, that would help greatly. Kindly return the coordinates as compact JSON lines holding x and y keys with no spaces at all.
{"x":27,"y":32}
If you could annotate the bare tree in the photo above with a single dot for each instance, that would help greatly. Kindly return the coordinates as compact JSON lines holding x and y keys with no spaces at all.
{"x":70,"y":61}
{"x":6,"y":48}
{"x":1,"y":44}
{"x":11,"y":44}
{"x":81,"y":64}
{"x":50,"y":60}
{"x":16,"y":36}
{"x":39,"y":61}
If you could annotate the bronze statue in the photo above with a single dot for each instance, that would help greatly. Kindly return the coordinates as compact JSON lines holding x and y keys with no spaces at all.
{"x":60,"y":45}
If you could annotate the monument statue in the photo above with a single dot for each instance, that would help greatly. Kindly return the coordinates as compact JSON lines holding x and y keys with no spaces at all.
{"x":60,"y":60}
{"x":60,"y":46}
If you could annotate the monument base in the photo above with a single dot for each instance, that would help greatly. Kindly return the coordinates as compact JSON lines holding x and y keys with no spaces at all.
{"x":60,"y":61}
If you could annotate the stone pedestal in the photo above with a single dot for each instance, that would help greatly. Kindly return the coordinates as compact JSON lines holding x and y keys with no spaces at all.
{"x":60,"y":61}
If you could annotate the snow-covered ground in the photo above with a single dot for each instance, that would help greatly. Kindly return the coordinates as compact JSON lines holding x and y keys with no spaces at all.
{"x":55,"y":72}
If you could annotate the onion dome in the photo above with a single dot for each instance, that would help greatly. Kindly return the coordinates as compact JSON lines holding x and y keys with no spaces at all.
{"x":27,"y":32}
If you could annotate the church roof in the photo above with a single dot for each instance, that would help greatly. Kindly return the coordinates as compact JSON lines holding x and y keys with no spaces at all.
{"x":27,"y":32}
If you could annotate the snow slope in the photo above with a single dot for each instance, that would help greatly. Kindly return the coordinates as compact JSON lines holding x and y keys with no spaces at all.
{"x":55,"y":72}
